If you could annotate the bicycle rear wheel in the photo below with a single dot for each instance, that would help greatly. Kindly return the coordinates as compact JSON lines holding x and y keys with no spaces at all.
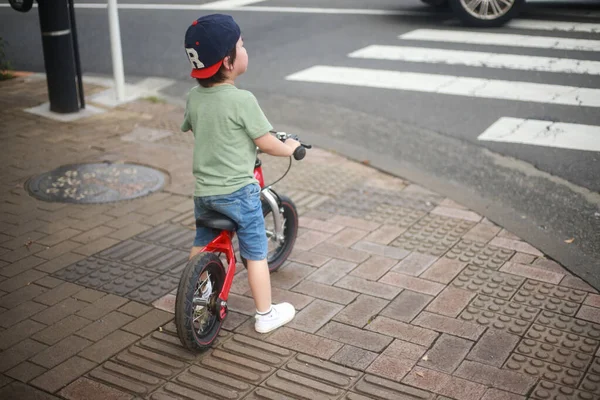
{"x":196,"y":311}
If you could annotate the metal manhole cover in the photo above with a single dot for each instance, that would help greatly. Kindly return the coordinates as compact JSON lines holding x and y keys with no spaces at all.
{"x":96,"y":183}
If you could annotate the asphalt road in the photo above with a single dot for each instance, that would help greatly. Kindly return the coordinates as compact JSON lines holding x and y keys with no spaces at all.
{"x":544,"y":194}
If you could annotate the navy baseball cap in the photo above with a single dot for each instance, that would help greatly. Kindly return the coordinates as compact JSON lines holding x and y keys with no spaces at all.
{"x":208,"y":41}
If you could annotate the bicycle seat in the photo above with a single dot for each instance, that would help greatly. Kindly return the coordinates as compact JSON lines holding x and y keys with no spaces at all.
{"x":216,"y":220}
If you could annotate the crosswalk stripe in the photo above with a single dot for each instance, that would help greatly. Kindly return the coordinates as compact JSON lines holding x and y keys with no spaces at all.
{"x":544,"y":133}
{"x":478,"y":59}
{"x":502,"y":39}
{"x":452,"y":85}
{"x":537,"y":24}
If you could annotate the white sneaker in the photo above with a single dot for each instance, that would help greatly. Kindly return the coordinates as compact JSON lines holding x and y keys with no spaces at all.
{"x":280,"y":315}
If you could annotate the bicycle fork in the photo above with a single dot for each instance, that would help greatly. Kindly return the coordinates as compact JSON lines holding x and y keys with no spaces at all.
{"x":272,"y":200}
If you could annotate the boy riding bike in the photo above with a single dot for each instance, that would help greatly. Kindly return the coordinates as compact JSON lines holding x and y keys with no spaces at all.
{"x":228,"y":125}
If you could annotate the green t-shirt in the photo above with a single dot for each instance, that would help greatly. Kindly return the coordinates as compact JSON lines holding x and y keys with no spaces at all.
{"x":224,"y":120}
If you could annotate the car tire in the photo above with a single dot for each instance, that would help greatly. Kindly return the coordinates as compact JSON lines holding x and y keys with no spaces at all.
{"x":471,"y":18}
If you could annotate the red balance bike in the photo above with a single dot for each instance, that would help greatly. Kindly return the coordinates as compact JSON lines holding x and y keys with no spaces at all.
{"x":201,"y":304}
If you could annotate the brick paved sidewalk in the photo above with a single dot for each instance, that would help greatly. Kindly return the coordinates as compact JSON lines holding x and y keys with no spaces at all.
{"x":402,"y":294}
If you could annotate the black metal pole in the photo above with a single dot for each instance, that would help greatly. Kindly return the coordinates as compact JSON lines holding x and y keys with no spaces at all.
{"x":58,"y":55}
{"x":76,"y":53}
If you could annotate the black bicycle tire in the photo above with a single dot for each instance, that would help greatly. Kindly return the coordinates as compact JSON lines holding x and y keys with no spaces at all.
{"x":23,"y":6}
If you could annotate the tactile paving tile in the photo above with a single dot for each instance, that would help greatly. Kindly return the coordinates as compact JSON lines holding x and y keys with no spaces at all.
{"x":488,"y":282}
{"x":145,"y":255}
{"x":169,"y":235}
{"x":202,"y":383}
{"x":433,"y":234}
{"x":558,"y":338}
{"x":239,"y":367}
{"x":394,"y":215}
{"x":325,"y":371}
{"x":497,"y":321}
{"x":551,"y":391}
{"x":154,"y":289}
{"x":166,"y":344}
{"x":260,"y":351}
{"x":301,"y":387}
{"x":104,"y":275}
{"x":367,"y":198}
{"x":172,"y":262}
{"x":569,"y":324}
{"x":479,"y":254}
{"x":80,"y":269}
{"x":129,"y":282}
{"x":126,"y":378}
{"x":545,"y":370}
{"x":513,"y":310}
{"x":591,"y":381}
{"x":539,"y":300}
{"x":560,"y":292}
{"x":378,"y":388}
{"x":556,"y":355}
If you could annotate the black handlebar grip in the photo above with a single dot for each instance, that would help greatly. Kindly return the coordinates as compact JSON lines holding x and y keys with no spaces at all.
{"x":299,"y":153}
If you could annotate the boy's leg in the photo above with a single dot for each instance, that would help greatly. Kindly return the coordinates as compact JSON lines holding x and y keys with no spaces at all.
{"x":260,"y":284}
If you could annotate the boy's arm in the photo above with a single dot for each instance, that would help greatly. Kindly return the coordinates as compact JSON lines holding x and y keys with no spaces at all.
{"x":271,"y":145}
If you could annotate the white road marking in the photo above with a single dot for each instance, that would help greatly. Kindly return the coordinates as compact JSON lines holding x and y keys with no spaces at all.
{"x":452,"y":85}
{"x":478,"y":59}
{"x":502,"y":39}
{"x":544,"y":133}
{"x":537,"y":24}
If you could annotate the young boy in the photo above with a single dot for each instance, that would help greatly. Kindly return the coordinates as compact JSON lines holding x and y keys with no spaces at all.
{"x":228,"y":125}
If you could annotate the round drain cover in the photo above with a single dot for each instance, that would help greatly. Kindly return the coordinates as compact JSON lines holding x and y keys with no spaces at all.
{"x":96,"y":183}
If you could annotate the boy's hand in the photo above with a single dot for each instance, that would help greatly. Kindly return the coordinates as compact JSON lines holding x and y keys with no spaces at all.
{"x":293,"y":144}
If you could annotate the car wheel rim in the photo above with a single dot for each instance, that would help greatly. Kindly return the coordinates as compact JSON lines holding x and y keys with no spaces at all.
{"x":487,"y":9}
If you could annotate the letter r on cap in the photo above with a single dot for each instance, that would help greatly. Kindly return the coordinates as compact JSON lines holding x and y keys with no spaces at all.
{"x":193,"y":56}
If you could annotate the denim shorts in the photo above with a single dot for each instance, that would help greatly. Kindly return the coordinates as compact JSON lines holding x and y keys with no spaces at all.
{"x":244,"y":207}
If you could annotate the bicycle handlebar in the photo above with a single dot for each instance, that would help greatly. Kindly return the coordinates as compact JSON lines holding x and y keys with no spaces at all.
{"x":300,"y":151}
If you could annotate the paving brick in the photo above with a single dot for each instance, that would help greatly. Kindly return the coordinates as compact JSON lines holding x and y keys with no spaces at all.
{"x":450,"y":302}
{"x":318,"y":225}
{"x":60,"y":262}
{"x":374,"y":268}
{"x":323,"y":371}
{"x":354,"y":357}
{"x":482,"y":233}
{"x":102,"y":306}
{"x":406,"y":306}
{"x":86,"y":389}
{"x":235,"y":320}
{"x":57,"y":237}
{"x":299,"y":301}
{"x":589,"y":314}
{"x":60,"y":330}
{"x":401,"y":330}
{"x":325,"y":292}
{"x":96,"y":246}
{"x":89,"y":295}
{"x":451,"y":326}
{"x":102,"y":327}
{"x":63,"y":374}
{"x":375,"y":387}
{"x":61,"y":351}
{"x":375,"y":289}
{"x":21,"y":295}
{"x":59,"y":250}
{"x":456,"y":213}
{"x":49,"y":282}
{"x":331,"y":272}
{"x":495,"y":394}
{"x":390,"y":367}
{"x":592,"y":300}
{"x":307,"y":257}
{"x":242,"y":304}
{"x":135,"y":309}
{"x":59,"y":311}
{"x":443,"y":271}
{"x":21,"y":391}
{"x":313,"y":317}
{"x":108,"y":346}
{"x":341,"y":253}
{"x":576,"y":283}
{"x":361,"y":311}
{"x":354,"y":223}
{"x":20,"y":313}
{"x":167,"y":303}
{"x":20,"y":241}
{"x":18,"y":332}
{"x":25,"y":371}
{"x":381,"y":250}
{"x":493,"y":348}
{"x":91,"y":223}
{"x":128,"y":231}
{"x":19,"y":353}
{"x":385,"y":234}
{"x":532,"y":272}
{"x":290,"y":275}
{"x":310,"y":239}
{"x":58,"y":294}
{"x":148,"y":322}
{"x":4,"y":380}
{"x":22,"y":252}
{"x":522,"y":258}
{"x":350,"y":335}
{"x":93,"y":234}
{"x":20,"y":266}
{"x":446,"y":354}
{"x":23,"y":279}
{"x":415,"y":264}
{"x":347,"y":237}
{"x":304,"y":342}
{"x":405,"y":350}
{"x":516,"y":245}
{"x":499,"y":378}
{"x":412,"y":283}
{"x":444,"y":384}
